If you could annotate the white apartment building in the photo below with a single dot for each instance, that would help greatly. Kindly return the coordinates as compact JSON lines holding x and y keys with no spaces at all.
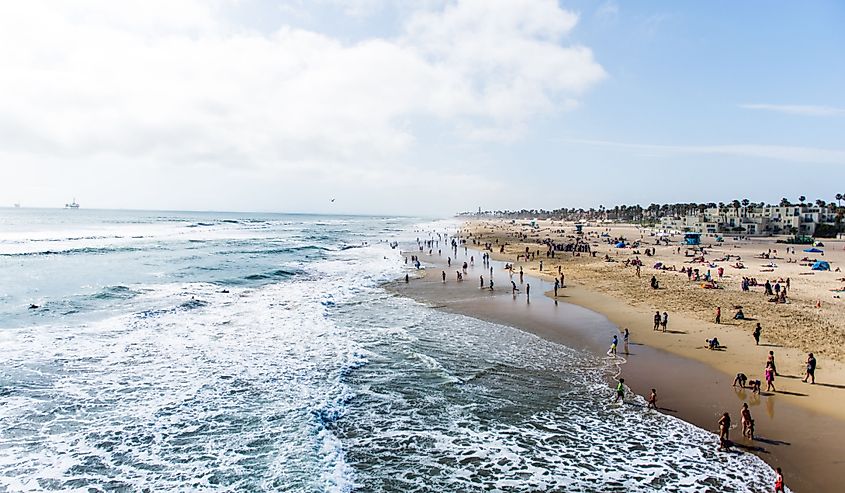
{"x":753,"y":220}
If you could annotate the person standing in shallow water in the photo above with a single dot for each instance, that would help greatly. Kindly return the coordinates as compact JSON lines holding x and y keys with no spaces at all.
{"x":613,"y":344}
{"x":724,"y":431}
{"x":528,"y":292}
{"x":625,"y":336}
{"x":620,"y":390}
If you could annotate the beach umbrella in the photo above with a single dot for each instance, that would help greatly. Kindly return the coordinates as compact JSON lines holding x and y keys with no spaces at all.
{"x":821,"y":265}
{"x":813,"y":250}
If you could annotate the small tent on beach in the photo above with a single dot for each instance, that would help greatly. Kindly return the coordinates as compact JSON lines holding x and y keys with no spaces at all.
{"x":621,"y":244}
{"x":821,"y":265}
{"x":813,"y":250}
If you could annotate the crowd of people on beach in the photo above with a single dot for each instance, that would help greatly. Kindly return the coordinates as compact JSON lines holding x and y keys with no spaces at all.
{"x":709,"y":274}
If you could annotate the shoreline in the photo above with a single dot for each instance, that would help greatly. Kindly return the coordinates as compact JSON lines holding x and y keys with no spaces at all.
{"x":802,"y":441}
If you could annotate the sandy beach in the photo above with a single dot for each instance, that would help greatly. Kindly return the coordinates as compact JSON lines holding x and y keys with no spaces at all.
{"x":797,"y":428}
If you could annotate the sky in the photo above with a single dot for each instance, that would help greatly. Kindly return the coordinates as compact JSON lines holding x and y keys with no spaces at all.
{"x":428,"y":107}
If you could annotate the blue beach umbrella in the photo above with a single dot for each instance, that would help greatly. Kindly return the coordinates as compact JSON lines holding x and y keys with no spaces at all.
{"x":813,"y":250}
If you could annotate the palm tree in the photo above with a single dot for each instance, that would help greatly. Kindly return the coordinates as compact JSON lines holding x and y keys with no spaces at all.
{"x":784,"y":202}
{"x":802,"y":199}
{"x":839,"y":199}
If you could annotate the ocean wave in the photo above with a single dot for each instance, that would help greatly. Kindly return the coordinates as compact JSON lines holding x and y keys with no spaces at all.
{"x":76,"y":251}
{"x":115,"y":293}
{"x":274,"y":274}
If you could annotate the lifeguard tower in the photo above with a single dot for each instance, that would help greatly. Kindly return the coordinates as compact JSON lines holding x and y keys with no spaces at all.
{"x":692,"y":239}
{"x":579,"y":228}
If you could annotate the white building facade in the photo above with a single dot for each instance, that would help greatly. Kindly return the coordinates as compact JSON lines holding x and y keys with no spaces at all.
{"x":753,"y":220}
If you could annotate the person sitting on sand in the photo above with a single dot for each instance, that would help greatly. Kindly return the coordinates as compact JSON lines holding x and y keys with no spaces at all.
{"x":740,"y":379}
{"x":739,"y":315}
{"x":713,"y":343}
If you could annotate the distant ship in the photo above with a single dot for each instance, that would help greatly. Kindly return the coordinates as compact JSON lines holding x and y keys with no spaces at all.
{"x":72,"y":205}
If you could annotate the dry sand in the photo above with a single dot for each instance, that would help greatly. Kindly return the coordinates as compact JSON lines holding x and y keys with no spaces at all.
{"x":790,"y":330}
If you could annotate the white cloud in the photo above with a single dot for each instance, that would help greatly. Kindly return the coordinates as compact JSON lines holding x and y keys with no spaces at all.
{"x":176,"y":83}
{"x":608,"y":10}
{"x":796,"y":154}
{"x":797,"y":109}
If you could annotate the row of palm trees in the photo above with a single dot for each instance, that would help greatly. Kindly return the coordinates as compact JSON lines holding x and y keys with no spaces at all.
{"x":638,"y":214}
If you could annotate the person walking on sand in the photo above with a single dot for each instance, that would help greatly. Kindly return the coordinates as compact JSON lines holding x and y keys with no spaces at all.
{"x":652,"y":400}
{"x":770,"y":361}
{"x":770,"y":378}
{"x":620,"y":391}
{"x":811,"y":369}
{"x":718,"y":314}
{"x":747,"y":422}
{"x":756,"y":333}
{"x":481,"y":280}
{"x":724,"y":431}
{"x":444,"y":277}
{"x":665,"y":321}
{"x":656,"y":320}
{"x":491,"y":284}
{"x":513,"y":288}
{"x":779,"y":487}
{"x":528,"y":292}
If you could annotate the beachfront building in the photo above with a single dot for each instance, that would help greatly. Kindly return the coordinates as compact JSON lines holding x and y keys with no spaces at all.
{"x":802,"y":219}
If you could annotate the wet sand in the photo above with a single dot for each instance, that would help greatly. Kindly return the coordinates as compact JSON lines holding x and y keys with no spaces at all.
{"x":805,"y":443}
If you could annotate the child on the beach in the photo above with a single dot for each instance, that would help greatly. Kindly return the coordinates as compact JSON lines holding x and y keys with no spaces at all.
{"x":620,"y":390}
{"x":613,"y":343}
{"x":740,"y":379}
{"x":779,"y":488}
{"x":652,"y":400}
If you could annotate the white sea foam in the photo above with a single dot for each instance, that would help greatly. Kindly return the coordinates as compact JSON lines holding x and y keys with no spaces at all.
{"x":322,"y":381}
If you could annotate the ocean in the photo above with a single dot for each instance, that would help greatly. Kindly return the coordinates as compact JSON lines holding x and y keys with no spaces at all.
{"x":181,"y":351}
